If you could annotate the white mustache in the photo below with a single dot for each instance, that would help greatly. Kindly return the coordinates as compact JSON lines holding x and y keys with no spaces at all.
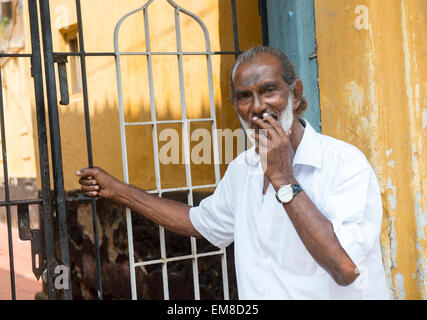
{"x":286,"y":118}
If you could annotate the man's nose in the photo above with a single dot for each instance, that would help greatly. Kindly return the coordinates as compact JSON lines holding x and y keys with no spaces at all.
{"x":258,"y":106}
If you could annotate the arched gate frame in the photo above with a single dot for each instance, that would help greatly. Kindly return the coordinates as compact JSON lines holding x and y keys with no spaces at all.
{"x":185,"y":134}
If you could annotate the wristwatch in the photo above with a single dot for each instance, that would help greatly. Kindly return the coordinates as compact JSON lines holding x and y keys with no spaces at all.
{"x":287,"y":192}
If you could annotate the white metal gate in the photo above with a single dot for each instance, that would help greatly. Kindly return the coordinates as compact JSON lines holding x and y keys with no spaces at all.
{"x":189,"y":188}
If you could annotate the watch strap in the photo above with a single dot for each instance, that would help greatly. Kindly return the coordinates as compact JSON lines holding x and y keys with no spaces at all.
{"x":296,"y":188}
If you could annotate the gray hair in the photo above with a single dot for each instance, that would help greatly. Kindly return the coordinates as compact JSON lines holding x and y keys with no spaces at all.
{"x":288,"y":69}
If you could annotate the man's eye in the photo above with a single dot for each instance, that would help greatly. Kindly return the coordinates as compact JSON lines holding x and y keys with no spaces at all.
{"x":269,"y":90}
{"x":243,"y":96}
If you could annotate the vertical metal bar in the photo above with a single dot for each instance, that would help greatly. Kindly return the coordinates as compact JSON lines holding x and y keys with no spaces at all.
{"x":224,"y":274}
{"x":125,"y":176}
{"x":89,"y":143}
{"x":125,"y":165}
{"x":216,"y":151}
{"x":186,"y":140}
{"x":36,"y":67}
{"x":235,"y":28}
{"x":156,"y":150}
{"x":164,"y":265}
{"x":262,"y":9}
{"x":152,"y":101}
{"x":63,"y":83}
{"x":55,"y":136}
{"x":237,"y":52}
{"x":7,"y":195}
{"x":216,"y":155}
{"x":213,"y":116}
{"x":124,"y":147}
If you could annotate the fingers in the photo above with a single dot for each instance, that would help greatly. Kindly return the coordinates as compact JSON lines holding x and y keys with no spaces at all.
{"x":261,"y":138}
{"x":90,"y":193}
{"x":88,"y":189}
{"x":263,"y":125}
{"x":274,"y":124}
{"x":88,"y":184}
{"x":87,"y":172}
{"x":89,"y":181}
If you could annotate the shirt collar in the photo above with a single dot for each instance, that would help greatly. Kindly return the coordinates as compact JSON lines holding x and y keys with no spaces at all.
{"x":309,"y":150}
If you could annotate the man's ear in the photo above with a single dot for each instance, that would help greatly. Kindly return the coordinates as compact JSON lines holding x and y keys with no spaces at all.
{"x":297,"y":94}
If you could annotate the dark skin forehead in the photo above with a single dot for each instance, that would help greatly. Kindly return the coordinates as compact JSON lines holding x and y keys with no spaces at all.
{"x":262,"y":69}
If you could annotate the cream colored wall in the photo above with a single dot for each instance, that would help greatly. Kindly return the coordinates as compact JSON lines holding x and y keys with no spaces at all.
{"x":372,"y":85}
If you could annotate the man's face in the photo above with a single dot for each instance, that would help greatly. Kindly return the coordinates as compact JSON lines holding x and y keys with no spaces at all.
{"x":259,"y":88}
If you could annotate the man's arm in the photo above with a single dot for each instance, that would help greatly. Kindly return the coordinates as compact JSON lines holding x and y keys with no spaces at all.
{"x":313,"y":228}
{"x":318,"y":236}
{"x":172,"y":215}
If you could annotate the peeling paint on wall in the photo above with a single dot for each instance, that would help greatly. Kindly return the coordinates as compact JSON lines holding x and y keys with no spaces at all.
{"x":421,"y":216}
{"x":424,"y":118}
{"x":391,"y":161}
{"x":399,"y":288}
{"x":392,"y":200}
{"x":378,"y":74}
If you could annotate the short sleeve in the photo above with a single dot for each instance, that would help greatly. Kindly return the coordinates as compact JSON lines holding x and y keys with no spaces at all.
{"x":214,"y":217}
{"x":354,"y":208}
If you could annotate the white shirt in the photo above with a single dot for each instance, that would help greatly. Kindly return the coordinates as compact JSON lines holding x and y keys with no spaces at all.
{"x":271,"y":260}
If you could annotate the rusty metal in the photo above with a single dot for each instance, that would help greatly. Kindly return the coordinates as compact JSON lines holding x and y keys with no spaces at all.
{"x":47,"y":215}
{"x":62,"y":75}
{"x":32,"y":235}
{"x":55,"y":136}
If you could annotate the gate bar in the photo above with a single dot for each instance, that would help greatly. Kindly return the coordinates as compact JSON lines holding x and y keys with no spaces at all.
{"x":186,"y":140}
{"x":117,"y":54}
{"x":213,"y":127}
{"x":18,"y":202}
{"x":36,"y":66}
{"x":144,"y":53}
{"x":55,"y":137}
{"x":156,"y":149}
{"x":89,"y":143}
{"x":237,"y":51}
{"x":7,"y":194}
{"x":179,"y":258}
{"x":15,"y":55}
{"x":262,"y":9}
{"x":235,"y":30}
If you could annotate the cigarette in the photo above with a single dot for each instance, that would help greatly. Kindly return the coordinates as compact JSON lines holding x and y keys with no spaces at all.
{"x":275,"y":117}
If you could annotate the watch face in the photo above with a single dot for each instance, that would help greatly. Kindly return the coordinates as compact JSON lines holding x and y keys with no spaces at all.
{"x":285,"y":194}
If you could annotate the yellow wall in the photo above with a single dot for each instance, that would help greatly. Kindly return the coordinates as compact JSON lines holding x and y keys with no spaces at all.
{"x":99,"y":21}
{"x":18,"y":123}
{"x":372,"y":85}
{"x":17,"y":97}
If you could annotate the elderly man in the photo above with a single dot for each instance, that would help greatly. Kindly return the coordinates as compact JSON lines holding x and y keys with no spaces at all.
{"x":303,"y":209}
